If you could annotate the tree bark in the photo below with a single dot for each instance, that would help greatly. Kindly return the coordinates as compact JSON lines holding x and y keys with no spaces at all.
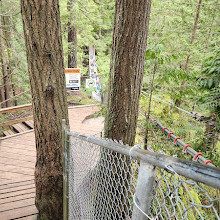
{"x":2,"y":98}
{"x":72,"y":40}
{"x":126,"y":70}
{"x":130,"y":32}
{"x":5,"y":91}
{"x":150,"y":101}
{"x":42,"y":31}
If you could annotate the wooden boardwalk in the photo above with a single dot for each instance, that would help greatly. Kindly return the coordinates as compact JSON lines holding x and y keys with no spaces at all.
{"x":17,"y":163}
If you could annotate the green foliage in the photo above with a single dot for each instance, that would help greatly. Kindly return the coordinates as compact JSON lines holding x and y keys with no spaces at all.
{"x":93,"y":21}
{"x":209,"y":82}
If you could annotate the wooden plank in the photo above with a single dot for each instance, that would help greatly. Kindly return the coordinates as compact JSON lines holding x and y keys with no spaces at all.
{"x":23,"y":126}
{"x":15,"y":108}
{"x":27,"y":136}
{"x":32,"y":122}
{"x":4,"y":180}
{"x":8,"y":133}
{"x":14,"y":157}
{"x":16,"y":184}
{"x":17,"y":188}
{"x":17,"y":204}
{"x":18,"y":197}
{"x":17,"y":152}
{"x":15,"y":141}
{"x":16,"y":135}
{"x":15,"y":176}
{"x":19,"y":213}
{"x":20,"y":144}
{"x":29,"y":124}
{"x":30,"y":217}
{"x":16,"y":193}
{"x":13,"y":168}
{"x":17,"y":128}
{"x":21,"y":164}
{"x":15,"y":121}
{"x":28,"y":148}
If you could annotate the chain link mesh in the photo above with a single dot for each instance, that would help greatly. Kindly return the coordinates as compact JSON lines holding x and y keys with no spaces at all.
{"x":101,"y":182}
{"x":175,"y":197}
{"x":102,"y":185}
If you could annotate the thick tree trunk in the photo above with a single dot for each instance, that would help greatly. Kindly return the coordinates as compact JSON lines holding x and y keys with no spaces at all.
{"x":126,"y":70}
{"x":41,"y":20}
{"x":6,"y":91}
{"x":125,"y":81}
{"x":72,"y":40}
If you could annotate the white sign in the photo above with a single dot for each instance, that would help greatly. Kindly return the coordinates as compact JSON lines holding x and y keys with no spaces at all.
{"x":90,"y":83}
{"x":73,"y":76}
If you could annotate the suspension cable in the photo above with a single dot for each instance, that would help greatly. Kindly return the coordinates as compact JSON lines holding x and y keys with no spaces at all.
{"x":193,"y":114}
{"x":187,"y":148}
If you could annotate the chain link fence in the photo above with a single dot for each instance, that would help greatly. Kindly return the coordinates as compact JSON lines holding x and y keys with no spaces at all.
{"x":104,"y":179}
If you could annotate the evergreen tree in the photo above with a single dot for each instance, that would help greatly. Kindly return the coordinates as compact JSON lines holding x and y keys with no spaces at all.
{"x":42,"y":32}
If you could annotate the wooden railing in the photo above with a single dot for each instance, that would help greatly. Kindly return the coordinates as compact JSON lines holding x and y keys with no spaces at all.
{"x":14,"y":109}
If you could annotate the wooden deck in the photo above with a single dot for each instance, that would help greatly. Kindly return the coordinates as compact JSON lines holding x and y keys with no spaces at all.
{"x":17,"y":163}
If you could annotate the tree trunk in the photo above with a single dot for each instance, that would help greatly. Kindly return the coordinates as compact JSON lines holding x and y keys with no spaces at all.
{"x":15,"y":66}
{"x":178,"y":101}
{"x":149,"y":105}
{"x":7,"y":21}
{"x":125,"y":81}
{"x":6,"y":91}
{"x":14,"y":94}
{"x":193,"y":33}
{"x":211,"y":135}
{"x":9,"y":36}
{"x":2,"y":98}
{"x":42,"y":31}
{"x":126,"y":70}
{"x":72,"y":40}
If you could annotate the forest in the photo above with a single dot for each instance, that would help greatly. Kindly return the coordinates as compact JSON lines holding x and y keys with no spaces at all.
{"x":178,"y":83}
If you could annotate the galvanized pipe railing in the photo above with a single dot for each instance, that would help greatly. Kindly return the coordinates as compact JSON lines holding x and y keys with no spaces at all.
{"x":208,"y":175}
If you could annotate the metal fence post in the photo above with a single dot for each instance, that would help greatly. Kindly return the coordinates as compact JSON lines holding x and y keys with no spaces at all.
{"x":143,"y":193}
{"x":66,"y":138}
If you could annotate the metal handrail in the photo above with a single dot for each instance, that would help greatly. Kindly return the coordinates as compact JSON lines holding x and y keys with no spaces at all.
{"x":208,"y":175}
